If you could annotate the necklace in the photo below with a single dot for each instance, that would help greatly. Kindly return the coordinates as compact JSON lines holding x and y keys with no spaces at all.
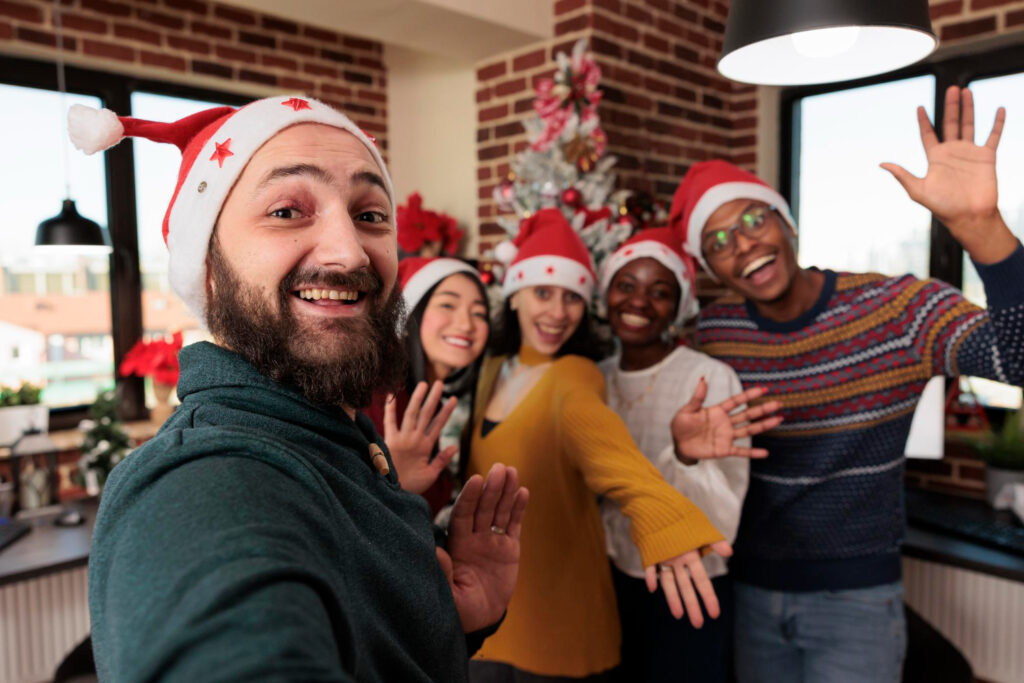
{"x":628,"y":403}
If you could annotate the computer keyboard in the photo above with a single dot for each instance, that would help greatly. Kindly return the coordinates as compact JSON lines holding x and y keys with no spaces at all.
{"x":969,"y":520}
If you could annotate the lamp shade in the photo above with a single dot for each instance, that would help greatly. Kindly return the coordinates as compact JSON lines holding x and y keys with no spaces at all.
{"x":799,"y":42}
{"x":71,"y":229}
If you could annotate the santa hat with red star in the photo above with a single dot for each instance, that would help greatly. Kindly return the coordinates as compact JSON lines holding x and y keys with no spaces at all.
{"x":417,"y":275}
{"x":547,"y":251}
{"x":707,"y":186}
{"x":216,"y":144}
{"x":661,"y":245}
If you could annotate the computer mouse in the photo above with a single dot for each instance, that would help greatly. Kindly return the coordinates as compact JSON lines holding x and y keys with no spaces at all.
{"x":70,"y":517}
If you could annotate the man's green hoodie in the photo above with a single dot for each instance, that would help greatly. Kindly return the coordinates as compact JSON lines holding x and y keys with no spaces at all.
{"x":253,"y":539}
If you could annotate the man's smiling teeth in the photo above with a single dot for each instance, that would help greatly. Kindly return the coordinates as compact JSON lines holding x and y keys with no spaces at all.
{"x":336,"y":294}
{"x":757,"y":263}
{"x":635,"y":320}
{"x":457,"y":341}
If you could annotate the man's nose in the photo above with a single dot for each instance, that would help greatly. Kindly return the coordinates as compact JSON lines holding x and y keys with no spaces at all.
{"x":339,"y":244}
{"x":743,"y":243}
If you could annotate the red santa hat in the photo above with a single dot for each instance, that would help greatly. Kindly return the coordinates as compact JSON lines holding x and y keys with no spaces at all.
{"x":707,"y":186}
{"x":547,"y":251}
{"x":661,"y":245}
{"x":417,"y":275}
{"x":216,"y":144}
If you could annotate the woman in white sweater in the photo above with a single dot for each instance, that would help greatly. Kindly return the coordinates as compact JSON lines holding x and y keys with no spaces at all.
{"x":655,"y":385}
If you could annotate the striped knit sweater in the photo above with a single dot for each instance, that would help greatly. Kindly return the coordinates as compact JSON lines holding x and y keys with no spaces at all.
{"x":825,"y":510}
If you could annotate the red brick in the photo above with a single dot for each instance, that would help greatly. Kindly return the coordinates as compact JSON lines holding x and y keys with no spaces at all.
{"x":491,"y":229}
{"x":529,"y":60}
{"x":298,"y":48}
{"x":577,"y":23}
{"x":359,"y":44}
{"x":970,"y":472}
{"x":492,"y":113}
{"x":566,"y":6}
{"x":965,"y":29}
{"x":946,"y":9}
{"x":79,"y":22}
{"x":99,"y":48}
{"x":639,"y":14}
{"x":744,"y":123}
{"x":257,"y":77}
{"x":523,"y":105}
{"x":370,"y":63}
{"x":144,"y":35}
{"x":483,"y":95}
{"x":357,"y":77}
{"x":257,"y":39}
{"x":663,"y":5}
{"x":236,"y":15}
{"x":236,"y":55}
{"x":697,"y":38}
{"x":721,"y":9}
{"x":372,"y":96}
{"x":485,"y":73}
{"x":162,"y":60}
{"x":212,"y":30}
{"x":211,"y":69}
{"x":160,"y":19}
{"x":297,"y":84}
{"x":985,"y":4}
{"x":335,"y":56}
{"x":600,"y":46}
{"x":276,"y":62}
{"x":618,"y":29}
{"x":30,"y":35}
{"x":485,"y":212}
{"x":1015,"y":18}
{"x":196,"y":47}
{"x":337,"y":90}
{"x":508,"y":130}
{"x":21,"y":11}
{"x":193,"y":6}
{"x":613,"y":6}
{"x":656,"y":43}
{"x":685,"y":13}
{"x":520,"y":147}
{"x":320,"y":34}
{"x":6,"y":31}
{"x":320,"y":70}
{"x":657,"y":85}
{"x":510,"y":87}
{"x":483,"y":173}
{"x":114,"y":9}
{"x":280,"y":25}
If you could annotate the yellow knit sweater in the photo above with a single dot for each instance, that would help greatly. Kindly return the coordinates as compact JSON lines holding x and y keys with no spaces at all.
{"x":569,"y":447}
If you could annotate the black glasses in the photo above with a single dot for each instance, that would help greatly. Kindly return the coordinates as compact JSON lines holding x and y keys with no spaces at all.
{"x":722,"y":243}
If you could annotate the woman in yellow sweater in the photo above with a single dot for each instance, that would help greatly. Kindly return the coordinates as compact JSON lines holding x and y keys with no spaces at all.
{"x":540,"y":408}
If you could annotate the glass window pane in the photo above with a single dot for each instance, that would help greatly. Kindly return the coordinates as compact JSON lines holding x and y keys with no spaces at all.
{"x":989,"y":95}
{"x":853,"y":215}
{"x":54,"y":331}
{"x":156,"y":173}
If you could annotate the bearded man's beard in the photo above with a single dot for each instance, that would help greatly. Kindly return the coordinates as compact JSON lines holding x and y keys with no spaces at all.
{"x":336,"y":361}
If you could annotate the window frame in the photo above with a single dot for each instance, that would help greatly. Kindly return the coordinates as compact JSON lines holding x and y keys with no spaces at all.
{"x":114,"y":91}
{"x":945,"y":259}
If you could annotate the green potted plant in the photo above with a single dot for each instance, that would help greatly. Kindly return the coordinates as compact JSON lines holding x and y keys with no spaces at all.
{"x":21,"y":412}
{"x":1004,"y":456}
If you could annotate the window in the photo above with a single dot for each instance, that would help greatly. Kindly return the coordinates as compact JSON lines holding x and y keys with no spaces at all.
{"x":45,"y":318}
{"x":66,"y":322}
{"x":854,"y":216}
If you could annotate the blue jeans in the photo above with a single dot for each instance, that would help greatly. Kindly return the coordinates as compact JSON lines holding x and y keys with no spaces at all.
{"x":845,"y":636}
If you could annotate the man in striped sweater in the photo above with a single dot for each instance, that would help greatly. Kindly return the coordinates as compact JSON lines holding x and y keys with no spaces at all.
{"x":817,"y":560}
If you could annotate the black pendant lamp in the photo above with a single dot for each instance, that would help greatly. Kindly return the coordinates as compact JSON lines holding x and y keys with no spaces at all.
{"x":799,"y":42}
{"x":68,"y":230}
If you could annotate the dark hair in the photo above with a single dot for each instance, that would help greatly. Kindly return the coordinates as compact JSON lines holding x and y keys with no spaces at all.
{"x":461,"y":381}
{"x":506,"y":337}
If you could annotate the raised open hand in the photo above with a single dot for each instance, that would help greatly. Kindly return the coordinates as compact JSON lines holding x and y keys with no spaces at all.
{"x":700,"y":433}
{"x":960,"y":186}
{"x":482,"y":561}
{"x":682,"y":578}
{"x":411,"y":444}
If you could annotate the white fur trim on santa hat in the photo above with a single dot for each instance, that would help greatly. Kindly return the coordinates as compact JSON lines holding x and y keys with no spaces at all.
{"x":208,"y":183}
{"x":432,"y":274}
{"x":555,"y":271}
{"x":93,"y":130}
{"x":688,"y":305}
{"x":720,"y":194}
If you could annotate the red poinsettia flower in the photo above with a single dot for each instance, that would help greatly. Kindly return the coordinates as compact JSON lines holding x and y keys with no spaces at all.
{"x":418,"y":226}
{"x":157,"y":358}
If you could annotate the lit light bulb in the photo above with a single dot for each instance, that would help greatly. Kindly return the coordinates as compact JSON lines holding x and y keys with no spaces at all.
{"x":825,"y":42}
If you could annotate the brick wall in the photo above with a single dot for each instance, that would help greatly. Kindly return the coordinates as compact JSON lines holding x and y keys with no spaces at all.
{"x":664,"y":104}
{"x":960,"y":472}
{"x":180,"y":40}
{"x":956,"y":21}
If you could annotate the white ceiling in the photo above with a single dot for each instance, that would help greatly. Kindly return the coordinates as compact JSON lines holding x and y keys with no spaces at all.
{"x":463,"y":30}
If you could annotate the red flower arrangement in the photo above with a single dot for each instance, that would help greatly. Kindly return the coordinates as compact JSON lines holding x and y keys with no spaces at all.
{"x":424,"y":232}
{"x":158,"y":358}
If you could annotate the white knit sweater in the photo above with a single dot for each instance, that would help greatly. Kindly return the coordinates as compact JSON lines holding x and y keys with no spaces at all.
{"x":647,"y":400}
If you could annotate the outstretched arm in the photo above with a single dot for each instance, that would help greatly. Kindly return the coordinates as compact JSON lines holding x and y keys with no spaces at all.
{"x":960,"y":186}
{"x":711,"y":432}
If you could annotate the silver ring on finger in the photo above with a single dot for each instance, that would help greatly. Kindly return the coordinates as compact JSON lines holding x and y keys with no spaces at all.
{"x":498,"y":530}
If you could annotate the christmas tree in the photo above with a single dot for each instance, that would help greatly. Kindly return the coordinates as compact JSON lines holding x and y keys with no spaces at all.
{"x":565,"y":165}
{"x":106,"y":443}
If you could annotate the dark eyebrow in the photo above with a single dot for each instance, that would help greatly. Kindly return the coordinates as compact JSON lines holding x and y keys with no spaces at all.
{"x":311,"y":170}
{"x":371,"y":178}
{"x":477,"y":301}
{"x":752,"y":205}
